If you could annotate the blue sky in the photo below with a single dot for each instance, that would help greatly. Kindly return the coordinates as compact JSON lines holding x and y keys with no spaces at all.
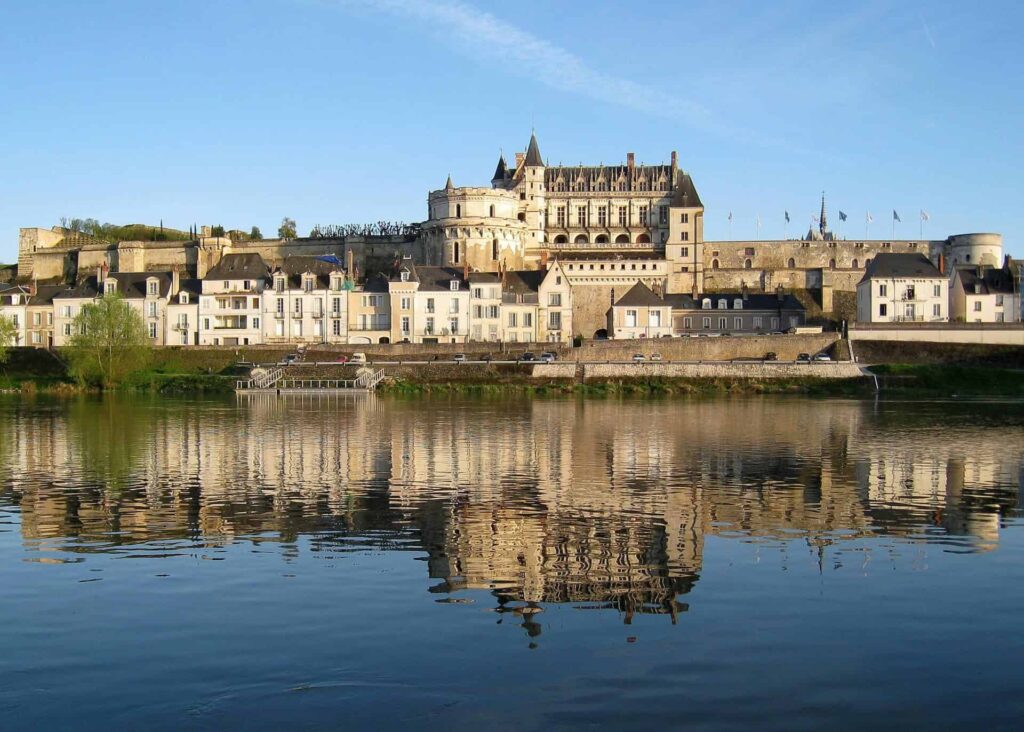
{"x":333,"y":111}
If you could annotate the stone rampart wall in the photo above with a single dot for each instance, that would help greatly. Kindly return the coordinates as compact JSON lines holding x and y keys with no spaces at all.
{"x":786,"y":347}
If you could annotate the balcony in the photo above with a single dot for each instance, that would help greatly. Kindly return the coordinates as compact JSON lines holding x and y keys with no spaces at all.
{"x":279,"y":315}
{"x":318,"y":315}
{"x":180,"y":326}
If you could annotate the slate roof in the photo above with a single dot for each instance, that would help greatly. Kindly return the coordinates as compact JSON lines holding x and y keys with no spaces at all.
{"x":131,"y":285}
{"x":639,"y":295}
{"x":901,"y":265}
{"x":990,"y":281}
{"x":438,"y":279}
{"x":296,"y":265}
{"x":45,"y":294}
{"x":753,"y":301}
{"x":484,"y":278}
{"x":501,"y":172}
{"x":533,"y":152}
{"x":686,"y":193}
{"x":376,"y":283}
{"x":239,"y":267}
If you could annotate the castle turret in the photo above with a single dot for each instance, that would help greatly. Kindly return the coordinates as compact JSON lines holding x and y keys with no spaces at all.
{"x":500,"y":173}
{"x":533,"y":194}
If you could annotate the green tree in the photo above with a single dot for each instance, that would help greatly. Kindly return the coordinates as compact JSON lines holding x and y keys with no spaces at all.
{"x":8,"y":336}
{"x":287,"y":228}
{"x":217,"y":230}
{"x":256,"y":234}
{"x":109,"y":342}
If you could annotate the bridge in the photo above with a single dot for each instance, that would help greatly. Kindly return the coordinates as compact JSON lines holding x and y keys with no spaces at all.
{"x":276,"y":381}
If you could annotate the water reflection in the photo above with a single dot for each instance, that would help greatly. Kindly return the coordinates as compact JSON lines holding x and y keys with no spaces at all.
{"x":601,"y":504}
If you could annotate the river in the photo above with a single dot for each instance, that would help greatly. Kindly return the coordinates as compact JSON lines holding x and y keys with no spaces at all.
{"x":376,"y":562}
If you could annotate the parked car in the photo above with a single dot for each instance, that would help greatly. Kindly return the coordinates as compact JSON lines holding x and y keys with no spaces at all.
{"x":803,"y":358}
{"x":459,"y":358}
{"x":771,"y":356}
{"x":290,"y":359}
{"x":528,"y":356}
{"x":342,"y":359}
{"x":487,"y":358}
{"x":358,"y":358}
{"x":548,"y":356}
{"x":822,"y":357}
{"x":655,"y":356}
{"x":639,"y":358}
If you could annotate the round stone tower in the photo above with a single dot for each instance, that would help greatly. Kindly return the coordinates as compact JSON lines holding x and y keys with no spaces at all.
{"x":984,"y":249}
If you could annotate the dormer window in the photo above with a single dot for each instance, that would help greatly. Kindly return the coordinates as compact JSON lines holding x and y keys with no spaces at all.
{"x":110,"y":287}
{"x":737,"y":304}
{"x":455,"y":285}
{"x":279,"y":284}
{"x":705,"y":304}
{"x":183,"y":298}
{"x":151,"y":287}
{"x":307,"y":284}
{"x":404,"y":276}
{"x":723,"y":304}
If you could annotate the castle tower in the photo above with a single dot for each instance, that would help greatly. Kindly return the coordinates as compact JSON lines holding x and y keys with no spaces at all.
{"x":533,"y":195}
{"x":822,"y":221}
{"x":500,"y":178}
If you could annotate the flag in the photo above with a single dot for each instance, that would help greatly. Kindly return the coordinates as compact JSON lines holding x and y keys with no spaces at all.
{"x":895,"y":216}
{"x":730,"y":216}
{"x":924,"y":215}
{"x":842,"y":216}
{"x":867,"y":218}
{"x":787,"y":217}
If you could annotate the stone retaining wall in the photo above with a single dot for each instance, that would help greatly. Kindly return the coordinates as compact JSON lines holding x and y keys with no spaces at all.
{"x":724,"y":348}
{"x":1009,"y":335}
{"x":757,"y":370}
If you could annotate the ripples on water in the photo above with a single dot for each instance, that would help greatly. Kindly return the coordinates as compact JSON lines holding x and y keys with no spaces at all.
{"x":535,"y":564}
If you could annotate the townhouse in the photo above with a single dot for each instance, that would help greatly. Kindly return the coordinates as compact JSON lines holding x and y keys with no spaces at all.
{"x":230,"y":302}
{"x":307,"y":301}
{"x":984,"y":294}
{"x":14,"y":306}
{"x":902,"y":288}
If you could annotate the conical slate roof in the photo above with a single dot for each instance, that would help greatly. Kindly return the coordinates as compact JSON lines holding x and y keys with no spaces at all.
{"x":502,"y":170}
{"x":449,"y":186}
{"x":533,"y":152}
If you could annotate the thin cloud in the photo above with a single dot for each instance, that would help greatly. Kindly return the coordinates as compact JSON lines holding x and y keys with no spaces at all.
{"x":483,"y":35}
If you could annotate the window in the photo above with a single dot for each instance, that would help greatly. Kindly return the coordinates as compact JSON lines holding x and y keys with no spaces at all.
{"x":655,"y":318}
{"x":429,"y":329}
{"x":279,"y":284}
{"x":555,"y":300}
{"x":67,"y":329}
{"x":684,"y":218}
{"x":555,"y":321}
{"x":977,"y":306}
{"x":152,"y":330}
{"x":454,"y":322}
{"x":602,"y":215}
{"x":454,"y":285}
{"x":910,"y":293}
{"x":642,"y":215}
{"x":458,"y":210}
{"x":245,"y":284}
{"x":152,"y":309}
{"x":737,"y":304}
{"x":336,"y":328}
{"x":455,"y":252}
{"x":110,"y":287}
{"x":937,"y":310}
{"x":631,"y":318}
{"x":722,"y":323}
{"x":453,"y":305}
{"x":36,"y":319}
{"x":999,"y":300}
{"x":775,"y":323}
{"x":662,"y":215}
{"x":747,"y":264}
{"x":706,"y":322}
{"x":298,"y":306}
{"x":256,"y":323}
{"x":855,"y":264}
{"x":685,"y":252}
{"x":512,"y":320}
{"x":758,"y":321}
{"x":883,"y":310}
{"x":581,"y":215}
{"x":184,"y":338}
{"x":560,"y":216}
{"x":705,"y":304}
{"x":206,"y":323}
{"x":723,"y":304}
{"x":527,"y":320}
{"x":336,"y":305}
{"x":405,"y":324}
{"x":491,"y":212}
{"x":280,"y":306}
{"x":492,"y":311}
{"x":714,"y":264}
{"x":183,"y":298}
{"x":151,"y":289}
{"x":494,"y":249}
{"x":687,"y":323}
{"x":792,"y":263}
{"x":937,"y":291}
{"x":227,"y":285}
{"x":430,"y":304}
{"x":737,"y":323}
{"x":883,"y":290}
{"x":685,"y":236}
{"x":622,"y":215}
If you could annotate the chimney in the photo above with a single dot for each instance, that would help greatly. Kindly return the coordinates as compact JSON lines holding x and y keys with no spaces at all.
{"x":350,"y":265}
{"x":465,"y":271}
{"x":544,"y":260}
{"x":780,"y":292}
{"x":630,"y":160}
{"x":175,"y":282}
{"x":675,"y":160}
{"x":746,"y":292}
{"x":99,"y":276}
{"x":942,"y":263}
{"x":520,"y":159}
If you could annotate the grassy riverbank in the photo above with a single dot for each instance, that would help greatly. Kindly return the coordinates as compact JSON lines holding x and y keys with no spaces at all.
{"x":950,"y":380}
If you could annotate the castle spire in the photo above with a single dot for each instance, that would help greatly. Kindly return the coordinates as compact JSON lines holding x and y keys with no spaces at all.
{"x":449,"y":186}
{"x":501,"y":172}
{"x":533,"y":152}
{"x":822,"y":222}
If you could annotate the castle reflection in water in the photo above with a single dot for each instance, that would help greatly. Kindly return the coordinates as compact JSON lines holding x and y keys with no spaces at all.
{"x":596,"y":503}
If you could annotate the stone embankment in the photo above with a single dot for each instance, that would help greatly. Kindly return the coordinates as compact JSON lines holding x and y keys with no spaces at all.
{"x":709,"y":370}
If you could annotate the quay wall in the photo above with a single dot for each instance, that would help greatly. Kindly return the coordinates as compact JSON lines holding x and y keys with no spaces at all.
{"x":750,"y":370}
{"x":991,"y":334}
{"x":724,"y":348}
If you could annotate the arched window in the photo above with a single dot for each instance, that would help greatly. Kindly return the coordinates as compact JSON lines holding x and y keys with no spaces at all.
{"x":714,"y":265}
{"x":455,"y":252}
{"x":622,"y":239}
{"x":494,"y":249}
{"x":492,"y":212}
{"x":747,"y":264}
{"x":581,"y":239}
{"x":601,"y":239}
{"x":561,"y":239}
{"x":967,"y":258}
{"x":831,"y":264}
{"x":792,"y":263}
{"x":522,"y":217}
{"x":855,"y":264}
{"x":643,"y":239}
{"x":458,"y":210}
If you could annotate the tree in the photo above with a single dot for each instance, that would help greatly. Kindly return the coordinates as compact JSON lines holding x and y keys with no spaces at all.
{"x":256,"y":234}
{"x":287,"y":228}
{"x":217,"y":230}
{"x":8,"y":336}
{"x":109,"y":342}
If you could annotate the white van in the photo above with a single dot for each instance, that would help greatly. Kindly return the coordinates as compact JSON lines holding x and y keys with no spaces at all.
{"x":358,"y":358}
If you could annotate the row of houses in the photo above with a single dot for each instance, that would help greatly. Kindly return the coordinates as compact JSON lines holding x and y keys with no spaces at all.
{"x":308,"y":300}
{"x":910,"y":288}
